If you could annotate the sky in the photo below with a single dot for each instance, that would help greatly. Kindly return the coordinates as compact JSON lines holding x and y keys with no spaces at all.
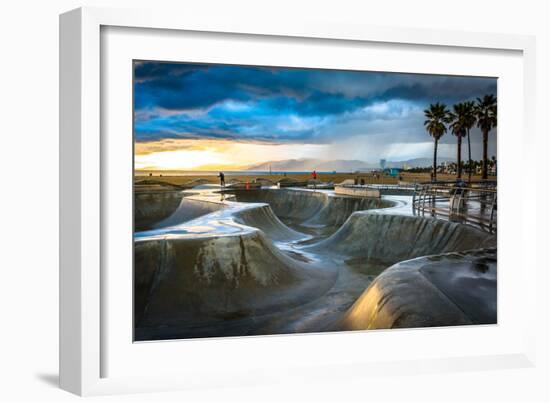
{"x":211,"y":117}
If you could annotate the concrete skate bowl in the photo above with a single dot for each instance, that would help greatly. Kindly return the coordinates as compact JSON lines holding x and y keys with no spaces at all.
{"x":151,"y":207}
{"x":233,"y":268}
{"x":442,"y":290}
{"x":217,"y":286}
{"x":428,"y":283}
{"x":164,"y":209}
{"x":314,"y":213}
{"x":262,"y":217}
{"x":380,"y":240}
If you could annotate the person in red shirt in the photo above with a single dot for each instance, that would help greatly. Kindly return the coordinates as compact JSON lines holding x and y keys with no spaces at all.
{"x":314,"y":175}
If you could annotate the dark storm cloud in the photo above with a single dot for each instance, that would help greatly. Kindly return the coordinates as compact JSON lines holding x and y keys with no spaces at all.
{"x":144,"y":71}
{"x":192,"y":86}
{"x":450,"y":90}
{"x":178,"y":100}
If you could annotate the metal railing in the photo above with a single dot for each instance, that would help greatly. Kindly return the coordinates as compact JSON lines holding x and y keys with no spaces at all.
{"x":473,"y":203}
{"x":385,"y":189}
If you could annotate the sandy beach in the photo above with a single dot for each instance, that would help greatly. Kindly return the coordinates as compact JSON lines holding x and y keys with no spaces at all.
{"x":369,"y":178}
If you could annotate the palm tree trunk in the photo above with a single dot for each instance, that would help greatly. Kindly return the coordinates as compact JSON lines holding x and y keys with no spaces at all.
{"x":469,"y":158}
{"x":459,"y":157}
{"x":484,"y":169}
{"x":435,"y":160}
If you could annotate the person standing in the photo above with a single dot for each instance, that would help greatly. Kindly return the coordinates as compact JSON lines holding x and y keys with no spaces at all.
{"x":314,"y":177}
{"x":222,"y":179}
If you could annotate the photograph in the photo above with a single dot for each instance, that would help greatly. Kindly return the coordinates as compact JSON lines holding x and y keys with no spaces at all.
{"x":271,"y":200}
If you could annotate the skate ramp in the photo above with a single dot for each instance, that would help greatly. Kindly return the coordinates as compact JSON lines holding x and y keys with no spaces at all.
{"x":152,"y":207}
{"x":261,"y":216}
{"x":312,"y":212}
{"x":187,"y":210}
{"x":442,"y":290}
{"x":388,"y":238}
{"x":210,"y":281}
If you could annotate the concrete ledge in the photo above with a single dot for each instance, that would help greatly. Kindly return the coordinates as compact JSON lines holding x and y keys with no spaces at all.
{"x":357,"y":191}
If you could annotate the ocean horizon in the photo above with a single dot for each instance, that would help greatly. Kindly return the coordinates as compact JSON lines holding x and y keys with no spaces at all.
{"x":229,"y":173}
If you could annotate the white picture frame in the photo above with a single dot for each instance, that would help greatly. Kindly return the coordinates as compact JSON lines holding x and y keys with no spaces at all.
{"x":83,"y":294}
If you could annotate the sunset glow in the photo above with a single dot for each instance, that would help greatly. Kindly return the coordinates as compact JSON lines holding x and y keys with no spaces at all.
{"x":211,"y":155}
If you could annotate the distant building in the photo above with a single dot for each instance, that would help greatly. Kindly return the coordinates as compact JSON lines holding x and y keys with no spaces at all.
{"x":382,"y":164}
{"x":393,"y":172}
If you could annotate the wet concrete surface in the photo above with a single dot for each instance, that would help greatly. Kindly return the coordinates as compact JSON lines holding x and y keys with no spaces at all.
{"x":441,"y":290}
{"x":470,"y":282}
{"x":277,"y":261}
{"x":154,"y":206}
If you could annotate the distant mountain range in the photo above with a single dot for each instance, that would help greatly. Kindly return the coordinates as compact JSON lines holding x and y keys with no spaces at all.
{"x":310,"y":164}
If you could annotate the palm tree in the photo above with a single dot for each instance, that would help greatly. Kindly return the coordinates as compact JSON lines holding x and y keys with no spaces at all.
{"x":486,"y":114}
{"x":437,"y":115}
{"x":458,"y":128}
{"x":469,"y":120}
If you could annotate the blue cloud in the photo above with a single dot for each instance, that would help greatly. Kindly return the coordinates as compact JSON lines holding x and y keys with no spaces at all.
{"x":182,"y":100}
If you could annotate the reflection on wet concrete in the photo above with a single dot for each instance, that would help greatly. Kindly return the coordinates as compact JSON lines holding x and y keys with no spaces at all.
{"x":470,"y":282}
{"x":442,"y":290}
